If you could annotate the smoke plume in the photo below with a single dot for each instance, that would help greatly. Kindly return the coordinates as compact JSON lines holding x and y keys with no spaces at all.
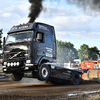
{"x":92,"y":4}
{"x":37,"y":7}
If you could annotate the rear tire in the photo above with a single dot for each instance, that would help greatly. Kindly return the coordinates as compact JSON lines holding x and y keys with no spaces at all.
{"x":75,"y":78}
{"x":44,"y":72}
{"x":16,"y":76}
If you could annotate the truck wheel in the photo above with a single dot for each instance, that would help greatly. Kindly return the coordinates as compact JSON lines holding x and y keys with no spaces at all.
{"x":44,"y":72}
{"x":75,"y":78}
{"x":16,"y":76}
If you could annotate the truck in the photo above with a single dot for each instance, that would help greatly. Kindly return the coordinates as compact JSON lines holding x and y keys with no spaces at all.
{"x":73,"y":65}
{"x":93,"y":70}
{"x":90,"y":68}
{"x":30,"y":51}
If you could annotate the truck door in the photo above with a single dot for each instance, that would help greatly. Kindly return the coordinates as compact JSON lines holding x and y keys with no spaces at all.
{"x":49,"y":44}
{"x":39,"y":46}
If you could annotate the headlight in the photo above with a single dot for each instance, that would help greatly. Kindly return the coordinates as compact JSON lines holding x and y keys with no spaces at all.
{"x":3,"y":66}
{"x":28,"y":61}
{"x":12,"y":64}
{"x":26,"y":55}
{"x":5,"y":63}
{"x":17,"y":63}
{"x":8,"y":64}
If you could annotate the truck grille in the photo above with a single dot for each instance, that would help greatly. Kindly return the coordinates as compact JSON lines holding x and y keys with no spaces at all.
{"x":15,"y":55}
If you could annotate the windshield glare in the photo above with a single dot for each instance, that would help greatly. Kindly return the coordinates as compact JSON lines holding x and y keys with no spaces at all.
{"x":19,"y":37}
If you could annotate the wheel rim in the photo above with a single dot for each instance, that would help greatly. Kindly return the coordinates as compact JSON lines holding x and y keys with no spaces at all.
{"x":44,"y":72}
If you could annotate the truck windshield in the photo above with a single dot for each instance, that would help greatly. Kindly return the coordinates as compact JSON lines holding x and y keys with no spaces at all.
{"x":19,"y":37}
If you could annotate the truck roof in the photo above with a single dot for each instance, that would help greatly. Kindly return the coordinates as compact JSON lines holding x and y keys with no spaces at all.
{"x":31,"y":26}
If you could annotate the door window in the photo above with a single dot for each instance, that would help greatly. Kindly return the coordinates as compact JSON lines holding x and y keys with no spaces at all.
{"x":39,"y":37}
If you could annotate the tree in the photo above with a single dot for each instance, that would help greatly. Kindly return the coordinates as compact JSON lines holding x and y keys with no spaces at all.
{"x":65,"y":52}
{"x":1,"y":38}
{"x":84,"y":50}
{"x":93,"y":53}
{"x":86,"y":53}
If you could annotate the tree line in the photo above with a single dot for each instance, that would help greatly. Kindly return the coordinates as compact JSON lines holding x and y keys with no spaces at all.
{"x":66,"y":52}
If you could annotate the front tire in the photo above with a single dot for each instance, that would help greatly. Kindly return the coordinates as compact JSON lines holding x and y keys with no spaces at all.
{"x":16,"y":76}
{"x":44,"y":72}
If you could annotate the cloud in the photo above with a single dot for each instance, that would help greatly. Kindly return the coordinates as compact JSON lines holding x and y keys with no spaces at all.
{"x":13,"y":13}
{"x":6,"y":14}
{"x":70,"y":22}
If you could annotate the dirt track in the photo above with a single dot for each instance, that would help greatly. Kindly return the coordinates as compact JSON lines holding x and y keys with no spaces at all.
{"x":29,"y":89}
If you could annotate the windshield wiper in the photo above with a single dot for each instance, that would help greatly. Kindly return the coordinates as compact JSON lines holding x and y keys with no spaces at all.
{"x":9,"y":42}
{"x":19,"y":40}
{"x":22,"y":40}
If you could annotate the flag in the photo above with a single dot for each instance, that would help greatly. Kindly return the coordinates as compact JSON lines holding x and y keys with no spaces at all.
{"x":86,"y":56}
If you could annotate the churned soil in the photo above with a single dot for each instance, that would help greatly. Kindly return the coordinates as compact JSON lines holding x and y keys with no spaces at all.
{"x":32,"y":89}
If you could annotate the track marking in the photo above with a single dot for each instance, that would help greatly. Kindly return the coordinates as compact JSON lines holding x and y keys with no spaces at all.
{"x":83,"y":92}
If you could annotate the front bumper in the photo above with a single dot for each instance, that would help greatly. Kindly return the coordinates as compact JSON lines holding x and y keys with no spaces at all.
{"x":27,"y":67}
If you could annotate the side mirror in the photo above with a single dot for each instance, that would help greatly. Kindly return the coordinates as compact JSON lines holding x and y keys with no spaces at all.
{"x":3,"y":47}
{"x":3,"y":41}
{"x":39,"y":36}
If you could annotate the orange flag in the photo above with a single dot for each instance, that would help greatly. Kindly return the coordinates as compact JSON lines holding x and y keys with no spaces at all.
{"x":86,"y":56}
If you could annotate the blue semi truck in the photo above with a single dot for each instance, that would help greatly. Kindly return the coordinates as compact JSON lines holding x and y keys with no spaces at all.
{"x":30,"y":50}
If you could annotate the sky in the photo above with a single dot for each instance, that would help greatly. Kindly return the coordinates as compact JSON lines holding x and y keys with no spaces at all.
{"x":72,"y":23}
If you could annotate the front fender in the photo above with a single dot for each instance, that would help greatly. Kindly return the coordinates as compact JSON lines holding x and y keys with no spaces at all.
{"x":48,"y":59}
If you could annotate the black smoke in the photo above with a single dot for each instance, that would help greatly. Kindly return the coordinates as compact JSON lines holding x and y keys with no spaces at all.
{"x":37,"y":7}
{"x":94,"y":5}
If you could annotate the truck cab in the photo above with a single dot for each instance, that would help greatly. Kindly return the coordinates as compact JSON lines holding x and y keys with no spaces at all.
{"x":27,"y":47}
